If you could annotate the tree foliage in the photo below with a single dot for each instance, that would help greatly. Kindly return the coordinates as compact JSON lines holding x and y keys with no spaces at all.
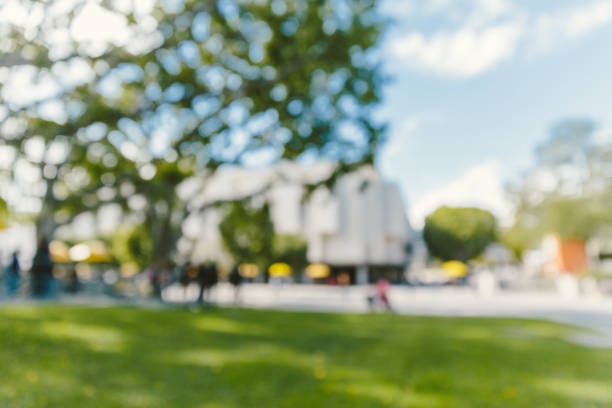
{"x":459,"y":234}
{"x":247,"y":233}
{"x":132,"y":244}
{"x":290,"y":249}
{"x":568,"y":191}
{"x":181,"y":88}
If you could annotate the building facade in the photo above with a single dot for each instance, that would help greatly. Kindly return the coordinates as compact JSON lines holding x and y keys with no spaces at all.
{"x":359,"y":228}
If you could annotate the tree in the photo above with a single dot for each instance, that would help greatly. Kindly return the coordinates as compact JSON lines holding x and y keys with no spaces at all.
{"x":459,"y":234}
{"x":568,"y":191}
{"x":247,"y":233}
{"x":518,"y":239}
{"x":290,"y":249}
{"x":132,"y":244}
{"x":183,"y":88}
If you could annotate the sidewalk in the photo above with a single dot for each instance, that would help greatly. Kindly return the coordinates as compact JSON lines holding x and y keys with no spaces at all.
{"x":593,"y":313}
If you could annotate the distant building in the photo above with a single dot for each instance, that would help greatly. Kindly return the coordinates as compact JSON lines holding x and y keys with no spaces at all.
{"x":556,"y":255}
{"x":359,"y":229}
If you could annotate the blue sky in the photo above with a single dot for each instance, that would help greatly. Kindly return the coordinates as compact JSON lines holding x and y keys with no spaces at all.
{"x":478,"y":83}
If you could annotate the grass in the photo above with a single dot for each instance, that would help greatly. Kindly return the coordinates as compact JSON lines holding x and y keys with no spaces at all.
{"x":60,"y":356}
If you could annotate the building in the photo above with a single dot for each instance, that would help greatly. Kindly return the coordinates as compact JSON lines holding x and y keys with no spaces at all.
{"x":359,"y":229}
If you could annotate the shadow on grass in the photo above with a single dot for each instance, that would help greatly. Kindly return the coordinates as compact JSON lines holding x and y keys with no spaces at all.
{"x":128,"y":357}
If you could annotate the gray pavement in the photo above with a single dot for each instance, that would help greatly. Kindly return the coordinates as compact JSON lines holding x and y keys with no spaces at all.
{"x":593,"y":313}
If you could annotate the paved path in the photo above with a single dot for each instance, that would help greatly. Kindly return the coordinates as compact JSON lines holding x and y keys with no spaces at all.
{"x":592,"y":313}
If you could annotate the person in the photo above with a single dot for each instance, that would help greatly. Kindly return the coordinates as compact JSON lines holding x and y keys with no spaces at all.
{"x":235,"y":279}
{"x":207,"y":278}
{"x":73,"y":281}
{"x":382,"y":289}
{"x":201,"y":282}
{"x":42,"y":270}
{"x":13,"y":275}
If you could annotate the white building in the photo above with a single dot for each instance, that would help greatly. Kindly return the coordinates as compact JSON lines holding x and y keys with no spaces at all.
{"x":360,"y":228}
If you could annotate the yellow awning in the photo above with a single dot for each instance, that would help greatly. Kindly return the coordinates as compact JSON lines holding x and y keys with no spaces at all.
{"x":455,"y":269}
{"x":279,"y":270}
{"x":318,"y":271}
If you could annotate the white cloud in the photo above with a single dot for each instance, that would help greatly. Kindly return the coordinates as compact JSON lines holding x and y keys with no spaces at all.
{"x":553,"y":29}
{"x":488,"y":32}
{"x":480,"y":186}
{"x":463,"y":53}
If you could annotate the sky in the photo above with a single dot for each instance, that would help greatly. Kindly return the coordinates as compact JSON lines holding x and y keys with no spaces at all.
{"x":476,"y":86}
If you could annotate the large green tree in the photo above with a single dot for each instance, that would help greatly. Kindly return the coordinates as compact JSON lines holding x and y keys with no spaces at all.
{"x":567,"y":192}
{"x":181,"y":88}
{"x":459,"y":234}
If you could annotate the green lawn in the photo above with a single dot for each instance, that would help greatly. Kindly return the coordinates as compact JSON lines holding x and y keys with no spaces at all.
{"x":55,"y":356}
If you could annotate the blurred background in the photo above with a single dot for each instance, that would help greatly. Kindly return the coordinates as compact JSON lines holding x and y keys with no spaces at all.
{"x":336,"y":143}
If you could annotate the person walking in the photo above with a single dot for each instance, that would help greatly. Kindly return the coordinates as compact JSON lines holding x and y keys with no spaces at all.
{"x":382,"y":289}
{"x":235,"y":279}
{"x":207,"y":278}
{"x":13,"y":275}
{"x":73,"y":284}
{"x":42,"y":270}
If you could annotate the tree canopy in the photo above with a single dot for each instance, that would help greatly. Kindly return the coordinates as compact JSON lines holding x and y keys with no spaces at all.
{"x":459,"y":234}
{"x":567,"y":192}
{"x":131,"y":244}
{"x":176,"y":88}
